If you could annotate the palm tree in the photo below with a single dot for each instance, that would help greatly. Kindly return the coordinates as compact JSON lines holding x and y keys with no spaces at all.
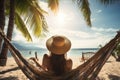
{"x":38,"y":23}
{"x":2,"y":17}
{"x":9,"y":32}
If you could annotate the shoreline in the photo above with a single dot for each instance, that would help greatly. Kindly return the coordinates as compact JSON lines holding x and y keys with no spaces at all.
{"x":110,"y":70}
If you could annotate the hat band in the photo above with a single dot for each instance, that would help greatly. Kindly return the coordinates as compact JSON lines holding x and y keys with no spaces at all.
{"x":58,"y":44}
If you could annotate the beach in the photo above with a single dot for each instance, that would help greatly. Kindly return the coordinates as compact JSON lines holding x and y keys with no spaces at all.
{"x":110,"y":71}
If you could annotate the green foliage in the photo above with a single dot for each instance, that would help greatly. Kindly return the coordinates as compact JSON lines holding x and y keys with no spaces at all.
{"x":33,"y":16}
{"x":28,"y":14}
{"x":22,"y":27}
{"x":117,"y":50}
{"x":84,"y":6}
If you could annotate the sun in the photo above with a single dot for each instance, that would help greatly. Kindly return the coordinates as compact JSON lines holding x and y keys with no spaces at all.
{"x":60,"y":18}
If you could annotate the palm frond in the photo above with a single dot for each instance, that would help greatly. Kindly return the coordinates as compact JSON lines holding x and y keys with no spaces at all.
{"x":44,"y":24}
{"x":53,"y":5}
{"x":41,"y":11}
{"x":84,"y":6}
{"x":39,"y":8}
{"x":33,"y":16}
{"x":36,"y":22}
{"x":22,"y":27}
{"x":22,"y":6}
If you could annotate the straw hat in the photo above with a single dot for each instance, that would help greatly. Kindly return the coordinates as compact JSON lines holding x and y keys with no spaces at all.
{"x":58,"y":44}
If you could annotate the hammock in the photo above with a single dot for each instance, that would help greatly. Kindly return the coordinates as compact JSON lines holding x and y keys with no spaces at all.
{"x":87,"y":71}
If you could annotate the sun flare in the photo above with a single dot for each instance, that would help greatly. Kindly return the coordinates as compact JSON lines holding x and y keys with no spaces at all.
{"x":60,"y":18}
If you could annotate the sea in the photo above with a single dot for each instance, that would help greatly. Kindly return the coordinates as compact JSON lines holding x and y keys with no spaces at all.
{"x":74,"y":54}
{"x":40,"y":52}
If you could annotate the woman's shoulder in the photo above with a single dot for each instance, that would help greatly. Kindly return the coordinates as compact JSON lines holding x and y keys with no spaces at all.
{"x":69,"y":61}
{"x":45,"y":62}
{"x":46,"y":56}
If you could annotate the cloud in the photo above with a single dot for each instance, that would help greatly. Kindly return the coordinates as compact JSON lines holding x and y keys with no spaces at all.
{"x":104,"y":29}
{"x":80,"y":39}
{"x":99,"y":11}
{"x":93,"y":19}
{"x":17,"y":36}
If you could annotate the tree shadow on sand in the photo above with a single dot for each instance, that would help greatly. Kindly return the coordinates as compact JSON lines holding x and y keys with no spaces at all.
{"x":9,"y":78}
{"x":114,"y":77}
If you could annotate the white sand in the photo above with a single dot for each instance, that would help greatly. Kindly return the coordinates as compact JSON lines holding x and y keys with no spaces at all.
{"x":110,"y":71}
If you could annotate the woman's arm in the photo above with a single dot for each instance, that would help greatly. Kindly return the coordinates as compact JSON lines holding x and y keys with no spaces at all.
{"x":36,"y":62}
{"x":45,"y":61}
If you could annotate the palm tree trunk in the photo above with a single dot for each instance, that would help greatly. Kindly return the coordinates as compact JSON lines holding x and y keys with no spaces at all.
{"x":2,"y":18}
{"x":9,"y":33}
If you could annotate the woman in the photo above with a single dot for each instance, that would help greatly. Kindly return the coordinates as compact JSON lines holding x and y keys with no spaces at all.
{"x":57,"y":62}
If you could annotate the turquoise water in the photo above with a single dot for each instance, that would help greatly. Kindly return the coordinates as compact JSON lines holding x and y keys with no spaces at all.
{"x":41,"y":52}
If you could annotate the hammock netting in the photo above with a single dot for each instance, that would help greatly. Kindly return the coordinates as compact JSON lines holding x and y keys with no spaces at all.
{"x":87,"y":71}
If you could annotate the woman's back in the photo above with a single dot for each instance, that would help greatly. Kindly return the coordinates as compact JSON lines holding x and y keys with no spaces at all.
{"x":57,"y":64}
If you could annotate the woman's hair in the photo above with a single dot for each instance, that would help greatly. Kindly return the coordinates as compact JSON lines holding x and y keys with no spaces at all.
{"x":58,"y":63}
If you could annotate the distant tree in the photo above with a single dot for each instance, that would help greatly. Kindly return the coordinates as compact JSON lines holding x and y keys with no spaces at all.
{"x":116,"y":53}
{"x":100,"y":46}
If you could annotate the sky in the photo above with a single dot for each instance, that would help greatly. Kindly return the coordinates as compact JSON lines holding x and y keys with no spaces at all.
{"x":70,"y":22}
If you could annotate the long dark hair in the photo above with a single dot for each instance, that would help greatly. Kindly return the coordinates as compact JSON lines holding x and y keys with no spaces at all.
{"x":58,"y":63}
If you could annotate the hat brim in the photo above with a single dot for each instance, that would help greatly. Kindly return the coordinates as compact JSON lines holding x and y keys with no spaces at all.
{"x":58,"y":50}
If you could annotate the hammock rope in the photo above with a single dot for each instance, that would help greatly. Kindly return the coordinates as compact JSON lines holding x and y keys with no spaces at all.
{"x":88,"y":70}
